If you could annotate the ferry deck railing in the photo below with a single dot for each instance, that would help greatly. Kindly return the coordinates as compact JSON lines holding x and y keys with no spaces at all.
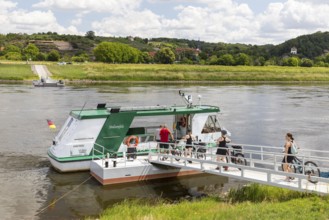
{"x":266,"y":159}
{"x":259,"y":158}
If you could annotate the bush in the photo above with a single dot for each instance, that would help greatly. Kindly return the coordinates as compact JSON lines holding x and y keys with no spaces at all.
{"x":79,"y":59}
{"x":306,"y":63}
{"x":165,"y":56}
{"x":13,"y":56}
{"x":109,"y":52}
{"x":53,"y":55}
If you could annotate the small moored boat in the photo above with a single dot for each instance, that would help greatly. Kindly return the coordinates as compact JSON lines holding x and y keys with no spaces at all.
{"x":48,"y":83}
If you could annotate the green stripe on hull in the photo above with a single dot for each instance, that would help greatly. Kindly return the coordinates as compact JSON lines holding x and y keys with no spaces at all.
{"x":84,"y":158}
{"x":69,"y":159}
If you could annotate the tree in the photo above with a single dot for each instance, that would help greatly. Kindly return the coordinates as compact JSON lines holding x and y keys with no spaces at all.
{"x":306,"y":62}
{"x":31,"y":51}
{"x":90,"y":35}
{"x":260,"y":61}
{"x":291,"y":61}
{"x":13,"y":56}
{"x":41,"y":57}
{"x":145,"y":57}
{"x":242,"y":59}
{"x":110,"y":52}
{"x":226,"y":60}
{"x":165,"y":56}
{"x":11,"y":48}
{"x":213,"y":60}
{"x":53,"y":55}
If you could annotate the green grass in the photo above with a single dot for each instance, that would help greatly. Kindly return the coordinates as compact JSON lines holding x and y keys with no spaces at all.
{"x":277,"y":204}
{"x":156,"y":72}
{"x":91,"y":72}
{"x":16,"y":72}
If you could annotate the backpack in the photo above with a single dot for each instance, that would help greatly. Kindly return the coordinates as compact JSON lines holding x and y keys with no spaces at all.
{"x":294,"y":148}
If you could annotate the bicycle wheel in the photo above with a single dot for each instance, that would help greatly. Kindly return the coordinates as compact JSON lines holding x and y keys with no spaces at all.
{"x":176,"y":153}
{"x":240,"y":160}
{"x":311,"y":170}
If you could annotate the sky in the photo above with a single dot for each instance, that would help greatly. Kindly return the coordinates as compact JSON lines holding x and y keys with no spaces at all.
{"x":230,"y":21}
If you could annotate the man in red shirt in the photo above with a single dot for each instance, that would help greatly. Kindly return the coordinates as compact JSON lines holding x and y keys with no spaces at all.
{"x":164,"y":138}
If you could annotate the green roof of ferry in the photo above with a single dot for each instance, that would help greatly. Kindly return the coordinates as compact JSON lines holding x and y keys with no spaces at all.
{"x":173,"y":110}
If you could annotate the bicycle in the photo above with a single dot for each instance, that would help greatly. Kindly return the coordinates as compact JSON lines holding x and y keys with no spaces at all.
{"x":198,"y":151}
{"x":236,"y":155}
{"x":310,"y":169}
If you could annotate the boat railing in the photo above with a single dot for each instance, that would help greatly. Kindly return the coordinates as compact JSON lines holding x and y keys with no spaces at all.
{"x":268,"y":157}
{"x":256,"y":155}
{"x":272,"y":161}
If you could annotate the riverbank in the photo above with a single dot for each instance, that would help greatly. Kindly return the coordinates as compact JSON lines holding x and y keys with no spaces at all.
{"x":251,"y":202}
{"x":93,"y":73}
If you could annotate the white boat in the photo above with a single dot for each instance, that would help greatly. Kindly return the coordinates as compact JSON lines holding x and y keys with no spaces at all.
{"x":48,"y":83}
{"x":105,"y":130}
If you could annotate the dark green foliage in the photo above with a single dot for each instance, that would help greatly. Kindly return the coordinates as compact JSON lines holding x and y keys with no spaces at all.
{"x":242,"y":59}
{"x":313,"y":46}
{"x":53,"y":55}
{"x":226,"y":60}
{"x":109,"y":52}
{"x":309,"y":46}
{"x":11,"y":48}
{"x":31,"y":51}
{"x":291,"y":61}
{"x":306,"y":62}
{"x":41,"y":56}
{"x":90,"y":35}
{"x":13,"y":56}
{"x":165,"y":56}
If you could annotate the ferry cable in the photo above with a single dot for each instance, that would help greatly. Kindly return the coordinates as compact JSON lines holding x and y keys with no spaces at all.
{"x":65,"y":194}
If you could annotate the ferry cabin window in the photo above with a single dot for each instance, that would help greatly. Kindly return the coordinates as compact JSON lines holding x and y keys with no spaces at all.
{"x":211,"y":125}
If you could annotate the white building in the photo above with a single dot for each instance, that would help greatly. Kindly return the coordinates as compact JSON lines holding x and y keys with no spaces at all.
{"x":293,"y":50}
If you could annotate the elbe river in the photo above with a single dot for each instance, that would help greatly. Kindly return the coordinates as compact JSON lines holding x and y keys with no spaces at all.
{"x":254,"y":114}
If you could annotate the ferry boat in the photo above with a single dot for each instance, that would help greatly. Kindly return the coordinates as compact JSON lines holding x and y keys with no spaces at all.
{"x":48,"y":83}
{"x":106,"y":129}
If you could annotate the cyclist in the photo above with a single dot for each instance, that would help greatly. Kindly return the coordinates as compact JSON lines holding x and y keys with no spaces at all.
{"x":189,"y":138}
{"x":222,"y":148}
{"x":288,"y":156}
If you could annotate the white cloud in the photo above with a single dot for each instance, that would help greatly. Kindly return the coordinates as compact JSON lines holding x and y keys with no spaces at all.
{"x":209,"y":20}
{"x":16,"y":20}
{"x":292,"y":18}
{"x":76,"y":21}
{"x":6,"y":5}
{"x":221,"y":22}
{"x":113,"y":6}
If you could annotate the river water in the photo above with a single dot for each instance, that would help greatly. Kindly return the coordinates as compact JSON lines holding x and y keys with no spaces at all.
{"x":255,"y":114}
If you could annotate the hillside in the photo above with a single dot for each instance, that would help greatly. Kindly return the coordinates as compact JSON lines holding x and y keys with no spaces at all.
{"x":314,"y":47}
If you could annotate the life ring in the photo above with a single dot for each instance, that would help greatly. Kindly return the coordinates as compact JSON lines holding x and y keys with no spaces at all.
{"x":132,"y":138}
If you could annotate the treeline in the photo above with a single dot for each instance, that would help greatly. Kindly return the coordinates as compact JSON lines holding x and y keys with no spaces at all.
{"x":312,"y":50}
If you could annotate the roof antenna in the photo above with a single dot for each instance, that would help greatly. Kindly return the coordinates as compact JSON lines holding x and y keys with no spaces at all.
{"x":186,"y":98}
{"x":82,"y":108}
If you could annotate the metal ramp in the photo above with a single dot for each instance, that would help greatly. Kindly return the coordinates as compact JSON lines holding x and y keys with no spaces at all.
{"x":263,"y":166}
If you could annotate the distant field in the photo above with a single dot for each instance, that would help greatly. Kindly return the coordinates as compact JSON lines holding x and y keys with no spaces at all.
{"x":157,"y":72}
{"x":16,"y":72}
{"x":90,"y":72}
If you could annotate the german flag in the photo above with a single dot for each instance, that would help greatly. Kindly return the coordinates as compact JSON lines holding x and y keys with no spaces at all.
{"x":51,"y":124}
